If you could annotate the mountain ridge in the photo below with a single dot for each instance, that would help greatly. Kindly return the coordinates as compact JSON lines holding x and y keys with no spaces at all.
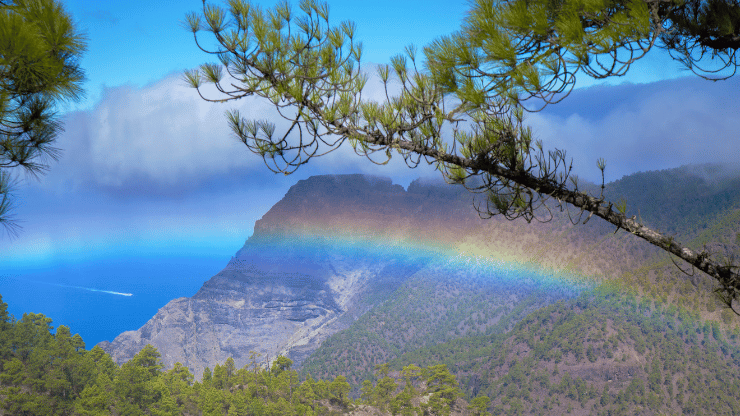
{"x":357,"y":240}
{"x":289,"y":286}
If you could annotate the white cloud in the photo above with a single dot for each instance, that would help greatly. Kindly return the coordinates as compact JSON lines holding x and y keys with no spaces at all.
{"x":163,"y":133}
{"x":122,"y":157}
{"x":163,"y":138}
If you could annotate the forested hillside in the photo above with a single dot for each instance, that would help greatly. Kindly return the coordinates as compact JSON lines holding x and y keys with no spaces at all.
{"x":651,"y":307}
{"x":602,"y":353}
{"x":684,"y":201}
{"x":427,"y":310}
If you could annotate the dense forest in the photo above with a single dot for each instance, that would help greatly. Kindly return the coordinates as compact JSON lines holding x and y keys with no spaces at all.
{"x":424,"y":311}
{"x":646,"y":318}
{"x":602,"y":353}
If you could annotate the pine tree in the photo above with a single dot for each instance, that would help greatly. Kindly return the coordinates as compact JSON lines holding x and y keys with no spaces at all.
{"x":97,"y":398}
{"x":509,"y":57}
{"x":40,"y":50}
{"x":479,"y":406}
{"x":131,"y":383}
{"x":339,"y":389}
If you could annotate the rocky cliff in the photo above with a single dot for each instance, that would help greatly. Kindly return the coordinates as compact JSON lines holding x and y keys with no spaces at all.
{"x":336,"y":246}
{"x":332,"y":248}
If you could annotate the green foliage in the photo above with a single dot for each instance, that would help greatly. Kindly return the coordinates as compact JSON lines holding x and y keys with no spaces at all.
{"x":133,"y":382}
{"x":443,"y":388}
{"x":339,"y":390}
{"x":52,"y":374}
{"x":682,"y":358}
{"x":479,"y":406}
{"x":39,"y":66}
{"x":367,"y":392}
{"x":96,"y":398}
{"x":281,"y":364}
{"x":686,"y":366}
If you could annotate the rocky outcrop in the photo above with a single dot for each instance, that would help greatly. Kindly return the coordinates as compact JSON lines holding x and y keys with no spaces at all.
{"x":337,"y":245}
{"x":332,"y":248}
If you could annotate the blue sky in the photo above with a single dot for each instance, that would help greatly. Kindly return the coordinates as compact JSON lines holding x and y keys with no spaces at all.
{"x":150,"y":171}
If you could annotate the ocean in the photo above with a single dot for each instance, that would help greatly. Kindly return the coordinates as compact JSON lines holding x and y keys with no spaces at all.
{"x":101,"y":297}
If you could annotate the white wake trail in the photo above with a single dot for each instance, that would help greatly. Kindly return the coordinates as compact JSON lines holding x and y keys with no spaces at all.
{"x":90,"y":289}
{"x":100,"y":290}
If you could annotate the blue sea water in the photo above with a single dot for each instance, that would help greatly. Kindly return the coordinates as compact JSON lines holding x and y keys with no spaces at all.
{"x":72,"y":292}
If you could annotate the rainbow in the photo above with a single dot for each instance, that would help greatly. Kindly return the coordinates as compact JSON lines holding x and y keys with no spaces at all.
{"x":444,"y":256}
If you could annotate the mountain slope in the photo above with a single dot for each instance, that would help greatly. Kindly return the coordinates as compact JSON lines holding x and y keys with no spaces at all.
{"x":620,"y":260}
{"x":400,"y":270}
{"x":433,"y":306}
{"x":602,"y":353}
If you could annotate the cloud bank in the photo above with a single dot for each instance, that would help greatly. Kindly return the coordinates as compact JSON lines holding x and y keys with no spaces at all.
{"x":157,"y":139}
{"x":164,"y":141}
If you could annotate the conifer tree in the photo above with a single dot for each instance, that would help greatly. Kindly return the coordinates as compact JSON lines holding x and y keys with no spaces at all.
{"x":97,"y":398}
{"x":339,"y":389}
{"x":509,"y":57}
{"x":479,"y":406}
{"x":40,"y":50}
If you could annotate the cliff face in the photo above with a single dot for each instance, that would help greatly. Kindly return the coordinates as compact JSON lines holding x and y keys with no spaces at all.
{"x":314,"y":264}
{"x":336,"y":246}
